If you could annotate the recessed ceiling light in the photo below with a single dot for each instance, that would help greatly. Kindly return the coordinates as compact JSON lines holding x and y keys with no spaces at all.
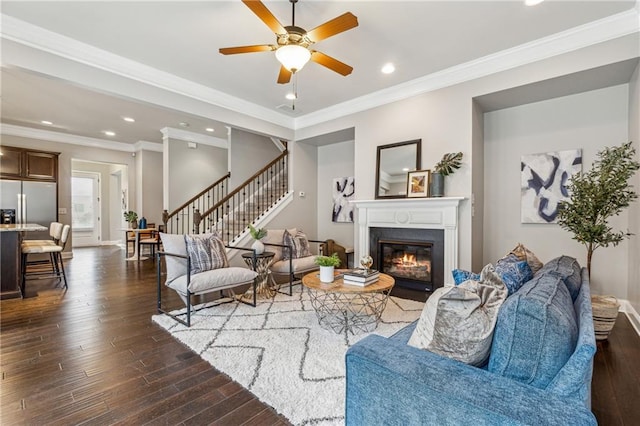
{"x":129,"y":119}
{"x":109,"y":133}
{"x":183,"y":124}
{"x":532,"y":2}
{"x":405,"y":169}
{"x":48,"y":123}
{"x":388,"y":68}
{"x":210,"y":129}
{"x":291,"y":96}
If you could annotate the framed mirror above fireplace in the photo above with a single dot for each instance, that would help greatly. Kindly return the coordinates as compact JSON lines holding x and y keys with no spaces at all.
{"x":393,"y":163}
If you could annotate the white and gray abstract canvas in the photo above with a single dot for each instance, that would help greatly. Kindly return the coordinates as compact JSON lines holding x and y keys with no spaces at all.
{"x":343,"y":192}
{"x":544,"y":179}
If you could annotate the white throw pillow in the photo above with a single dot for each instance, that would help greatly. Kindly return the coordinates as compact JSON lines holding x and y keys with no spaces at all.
{"x":174,"y":244}
{"x":458,"y":322}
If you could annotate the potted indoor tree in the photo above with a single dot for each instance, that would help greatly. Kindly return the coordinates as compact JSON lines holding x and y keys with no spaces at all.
{"x":449,"y":163}
{"x":327,"y":265}
{"x":595,"y":197}
{"x":131,"y":217}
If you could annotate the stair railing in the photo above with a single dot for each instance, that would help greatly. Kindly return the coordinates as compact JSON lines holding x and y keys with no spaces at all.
{"x":183,"y":219}
{"x":232,"y":215}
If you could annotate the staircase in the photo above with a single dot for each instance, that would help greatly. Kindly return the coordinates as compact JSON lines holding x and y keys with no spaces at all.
{"x":231,"y":213}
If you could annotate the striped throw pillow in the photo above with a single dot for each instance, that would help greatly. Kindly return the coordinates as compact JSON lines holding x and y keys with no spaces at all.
{"x":298,"y":243}
{"x":206,"y":252}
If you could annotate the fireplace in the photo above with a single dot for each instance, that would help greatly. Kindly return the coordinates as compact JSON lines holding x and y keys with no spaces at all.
{"x":412,"y":220}
{"x":413,"y":257}
{"x":406,"y":261}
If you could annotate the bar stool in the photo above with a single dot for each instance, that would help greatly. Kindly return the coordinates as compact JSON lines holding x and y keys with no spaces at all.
{"x":55,"y":250}
{"x":55,"y":232}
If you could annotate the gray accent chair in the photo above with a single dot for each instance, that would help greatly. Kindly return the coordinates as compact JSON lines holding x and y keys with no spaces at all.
{"x":293,"y":269}
{"x":187,"y":284}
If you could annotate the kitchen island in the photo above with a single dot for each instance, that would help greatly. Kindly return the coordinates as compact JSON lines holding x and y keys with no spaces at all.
{"x":11,"y":236}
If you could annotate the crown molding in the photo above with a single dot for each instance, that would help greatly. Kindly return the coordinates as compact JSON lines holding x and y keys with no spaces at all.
{"x":602,"y":30}
{"x":147,"y":146}
{"x":39,"y":38}
{"x":592,"y":33}
{"x":48,"y":135}
{"x":187,"y":136}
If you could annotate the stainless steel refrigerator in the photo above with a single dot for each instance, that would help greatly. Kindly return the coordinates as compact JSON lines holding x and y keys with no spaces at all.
{"x":32,"y":202}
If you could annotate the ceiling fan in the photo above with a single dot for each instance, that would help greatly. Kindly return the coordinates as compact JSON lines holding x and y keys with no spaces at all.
{"x":293,"y":43}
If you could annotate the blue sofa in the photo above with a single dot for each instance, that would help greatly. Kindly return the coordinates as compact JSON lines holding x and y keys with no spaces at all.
{"x":539,"y":370}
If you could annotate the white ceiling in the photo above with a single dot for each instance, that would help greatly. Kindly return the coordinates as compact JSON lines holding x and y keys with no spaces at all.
{"x":182,"y":39}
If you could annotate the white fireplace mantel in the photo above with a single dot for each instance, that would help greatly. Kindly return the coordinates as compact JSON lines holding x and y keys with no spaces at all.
{"x":417,"y":213}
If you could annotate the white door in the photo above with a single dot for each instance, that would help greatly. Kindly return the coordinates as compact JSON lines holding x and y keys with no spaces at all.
{"x":85,"y":204}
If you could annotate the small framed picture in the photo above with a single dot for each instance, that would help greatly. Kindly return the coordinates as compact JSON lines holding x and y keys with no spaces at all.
{"x":418,"y":183}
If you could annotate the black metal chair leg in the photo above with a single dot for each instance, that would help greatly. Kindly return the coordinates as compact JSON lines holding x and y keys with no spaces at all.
{"x":64,"y":275}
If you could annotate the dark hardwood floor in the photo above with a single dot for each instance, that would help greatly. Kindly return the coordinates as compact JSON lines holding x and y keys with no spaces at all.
{"x":91,"y":355}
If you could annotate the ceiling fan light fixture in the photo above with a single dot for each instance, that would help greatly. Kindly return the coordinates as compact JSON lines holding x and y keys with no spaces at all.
{"x":293,"y":57}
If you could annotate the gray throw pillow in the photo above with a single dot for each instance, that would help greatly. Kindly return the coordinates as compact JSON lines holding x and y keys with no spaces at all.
{"x":206,"y":252}
{"x":458,"y":322}
{"x":298,"y":243}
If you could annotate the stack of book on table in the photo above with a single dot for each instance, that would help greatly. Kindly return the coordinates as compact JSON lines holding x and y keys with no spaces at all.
{"x":361,"y":277}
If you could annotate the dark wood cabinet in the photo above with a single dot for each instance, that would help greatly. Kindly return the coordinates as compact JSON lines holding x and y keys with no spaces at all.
{"x":11,"y":162}
{"x":27,"y":164}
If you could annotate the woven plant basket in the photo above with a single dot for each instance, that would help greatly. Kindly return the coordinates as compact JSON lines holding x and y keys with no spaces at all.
{"x":605,"y":313}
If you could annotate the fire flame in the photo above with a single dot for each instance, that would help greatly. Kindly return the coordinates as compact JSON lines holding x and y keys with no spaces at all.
{"x":409,"y":260}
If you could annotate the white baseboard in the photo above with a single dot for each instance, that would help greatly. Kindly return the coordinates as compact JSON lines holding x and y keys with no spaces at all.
{"x":632,"y":314}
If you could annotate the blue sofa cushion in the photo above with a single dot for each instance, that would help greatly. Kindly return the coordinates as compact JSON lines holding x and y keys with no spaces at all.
{"x":514,"y":272}
{"x":536,"y":332}
{"x":569,"y":269}
{"x":460,"y":276}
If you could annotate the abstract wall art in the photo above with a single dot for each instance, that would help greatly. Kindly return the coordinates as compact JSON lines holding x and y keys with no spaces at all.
{"x":343,"y":192}
{"x":544,"y":179}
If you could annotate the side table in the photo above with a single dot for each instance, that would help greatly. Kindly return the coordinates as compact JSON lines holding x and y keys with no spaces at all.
{"x":263,"y":261}
{"x":347,"y":308}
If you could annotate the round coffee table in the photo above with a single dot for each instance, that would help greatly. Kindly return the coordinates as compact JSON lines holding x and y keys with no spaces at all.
{"x":341,"y":307}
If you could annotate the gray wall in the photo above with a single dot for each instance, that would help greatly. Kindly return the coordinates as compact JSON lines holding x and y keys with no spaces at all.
{"x":443,"y":119}
{"x":633,"y":295}
{"x":589,"y":121}
{"x":334,"y":161}
{"x":150,"y":204}
{"x":192,"y":170}
{"x":302,"y":213}
{"x":248,"y":153}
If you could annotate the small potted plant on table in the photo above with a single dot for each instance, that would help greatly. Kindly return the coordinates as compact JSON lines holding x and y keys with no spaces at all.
{"x":132,"y":218}
{"x":327,"y":265}
{"x":257,"y":234}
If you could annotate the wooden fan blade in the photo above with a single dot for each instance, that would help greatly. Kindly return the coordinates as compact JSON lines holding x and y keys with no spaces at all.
{"x":285,"y":75}
{"x":247,"y":49}
{"x":335,"y":26}
{"x":331,"y":63}
{"x":265,"y":15}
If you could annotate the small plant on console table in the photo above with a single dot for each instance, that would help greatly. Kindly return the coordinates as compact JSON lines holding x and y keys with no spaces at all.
{"x":131,"y":217}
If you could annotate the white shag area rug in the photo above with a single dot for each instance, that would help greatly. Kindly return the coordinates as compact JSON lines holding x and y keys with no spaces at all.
{"x":279,"y":352}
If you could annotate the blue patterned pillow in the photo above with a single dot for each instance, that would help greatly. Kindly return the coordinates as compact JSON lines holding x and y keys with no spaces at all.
{"x":460,"y":276}
{"x":514,"y":272}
